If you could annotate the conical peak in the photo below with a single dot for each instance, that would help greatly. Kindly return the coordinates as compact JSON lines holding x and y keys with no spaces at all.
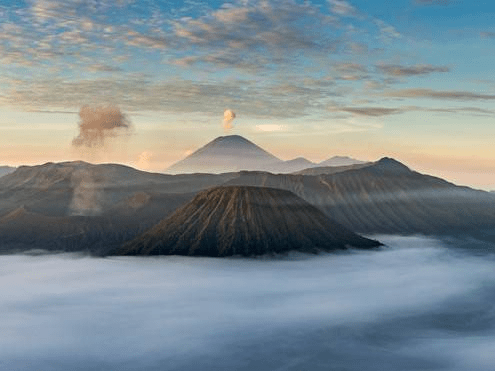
{"x":388,"y":163}
{"x":244,"y":220}
{"x":225,"y":154}
{"x":231,"y":140}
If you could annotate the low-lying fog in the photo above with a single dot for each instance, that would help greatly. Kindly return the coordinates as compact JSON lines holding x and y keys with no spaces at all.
{"x":417,"y":305}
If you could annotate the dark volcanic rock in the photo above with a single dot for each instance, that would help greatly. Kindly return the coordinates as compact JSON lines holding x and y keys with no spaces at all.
{"x":226,"y":221}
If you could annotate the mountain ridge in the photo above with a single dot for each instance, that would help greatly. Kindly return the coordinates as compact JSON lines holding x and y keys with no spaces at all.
{"x":235,"y":153}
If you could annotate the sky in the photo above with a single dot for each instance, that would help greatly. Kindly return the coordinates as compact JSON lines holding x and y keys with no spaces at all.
{"x":410,"y":79}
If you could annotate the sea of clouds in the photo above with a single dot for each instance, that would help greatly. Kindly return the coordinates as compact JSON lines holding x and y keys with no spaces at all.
{"x":418,"y":304}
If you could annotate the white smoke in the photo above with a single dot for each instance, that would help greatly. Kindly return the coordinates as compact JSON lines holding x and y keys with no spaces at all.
{"x":144,"y":160}
{"x":228,"y":119}
{"x":87,"y":194}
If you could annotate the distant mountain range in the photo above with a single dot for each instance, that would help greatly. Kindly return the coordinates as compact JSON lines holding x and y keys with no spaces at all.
{"x":234,"y":153}
{"x":75,"y":206}
{"x":4,"y":170}
{"x":225,"y":221}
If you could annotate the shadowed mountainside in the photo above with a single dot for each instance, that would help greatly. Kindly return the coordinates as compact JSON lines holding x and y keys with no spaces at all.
{"x":387,"y":197}
{"x":320,"y":170}
{"x":80,"y":188}
{"x":4,"y":170}
{"x":226,"y":221}
{"x":78,"y":206}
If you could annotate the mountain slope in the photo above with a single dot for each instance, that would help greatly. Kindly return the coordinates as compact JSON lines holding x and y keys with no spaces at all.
{"x":321,"y":170}
{"x":80,"y":188}
{"x":387,"y":197}
{"x":226,"y":154}
{"x":76,"y":206}
{"x":226,"y":221}
{"x":340,"y":161}
{"x":4,"y":170}
{"x":290,"y":166}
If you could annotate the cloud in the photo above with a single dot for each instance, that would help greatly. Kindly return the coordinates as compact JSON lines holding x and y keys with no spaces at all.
{"x":487,"y":35}
{"x":99,"y":123}
{"x":225,"y":59}
{"x":274,"y":30}
{"x":174,"y":95}
{"x":343,"y":8}
{"x":413,"y":70}
{"x":140,"y":40}
{"x":104,"y":68}
{"x":388,"y":33}
{"x":367,"y":111}
{"x":435,"y":94}
{"x":416,"y":304}
{"x":386,"y":111}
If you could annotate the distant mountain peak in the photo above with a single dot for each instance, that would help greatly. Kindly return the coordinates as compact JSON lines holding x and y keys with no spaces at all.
{"x":226,"y":154}
{"x":231,"y":138}
{"x":340,"y":158}
{"x":341,"y":161}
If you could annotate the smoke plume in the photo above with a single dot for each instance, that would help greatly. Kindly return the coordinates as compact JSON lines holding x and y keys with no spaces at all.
{"x":144,"y":160}
{"x":228,"y":119}
{"x":99,"y":123}
{"x":87,"y":196}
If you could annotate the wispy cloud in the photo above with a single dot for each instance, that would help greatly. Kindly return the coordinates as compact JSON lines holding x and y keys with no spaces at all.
{"x":265,"y":58}
{"x":438,"y":94}
{"x":413,"y":70}
{"x":387,"y":111}
{"x":388,"y":33}
{"x":343,"y":8}
{"x":259,"y":32}
{"x":487,"y":35}
{"x":178,"y":96}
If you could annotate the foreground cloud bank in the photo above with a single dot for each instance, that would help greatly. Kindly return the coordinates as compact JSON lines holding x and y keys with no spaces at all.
{"x":414,"y":305}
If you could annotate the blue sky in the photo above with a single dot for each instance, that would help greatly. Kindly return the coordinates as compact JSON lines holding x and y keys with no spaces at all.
{"x":411,"y":79}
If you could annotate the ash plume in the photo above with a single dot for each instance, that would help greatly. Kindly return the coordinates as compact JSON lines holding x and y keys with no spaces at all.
{"x":228,"y":119}
{"x":99,"y":123}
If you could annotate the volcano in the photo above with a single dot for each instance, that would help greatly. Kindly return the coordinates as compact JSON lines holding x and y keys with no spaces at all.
{"x":226,"y":154}
{"x":225,"y":221}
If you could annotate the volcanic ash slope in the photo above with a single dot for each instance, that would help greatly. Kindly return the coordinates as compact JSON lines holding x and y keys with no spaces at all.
{"x":243,"y":220}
